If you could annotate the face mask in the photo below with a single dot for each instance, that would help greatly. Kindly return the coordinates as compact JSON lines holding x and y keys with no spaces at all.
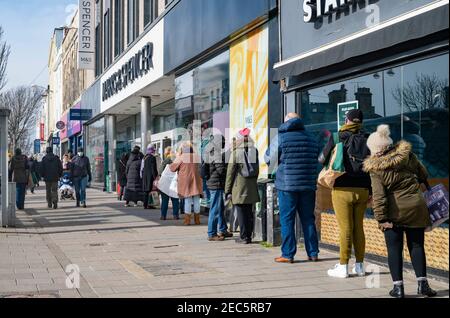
{"x":80,"y":154}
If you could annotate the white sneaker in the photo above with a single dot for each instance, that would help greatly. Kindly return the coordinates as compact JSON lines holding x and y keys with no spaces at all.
{"x":339,"y":271}
{"x":359,"y":270}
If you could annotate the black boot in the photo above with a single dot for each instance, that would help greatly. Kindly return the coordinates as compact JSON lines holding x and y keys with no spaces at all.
{"x":398,"y":291}
{"x":424,"y":289}
{"x":78,"y":204}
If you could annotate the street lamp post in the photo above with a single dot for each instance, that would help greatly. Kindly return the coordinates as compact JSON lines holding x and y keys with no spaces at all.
{"x":4,"y":114}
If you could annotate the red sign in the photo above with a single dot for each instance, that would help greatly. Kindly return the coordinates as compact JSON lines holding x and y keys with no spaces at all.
{"x":42,"y":132}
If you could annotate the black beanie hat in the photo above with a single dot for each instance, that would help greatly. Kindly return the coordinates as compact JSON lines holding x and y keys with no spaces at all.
{"x":356,"y":116}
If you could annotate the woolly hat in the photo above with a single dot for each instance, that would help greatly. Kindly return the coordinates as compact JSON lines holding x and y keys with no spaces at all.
{"x":243,"y":133}
{"x":380,"y":140}
{"x":151,"y":150}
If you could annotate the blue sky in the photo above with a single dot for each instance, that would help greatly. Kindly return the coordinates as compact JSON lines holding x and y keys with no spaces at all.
{"x":28,"y":27}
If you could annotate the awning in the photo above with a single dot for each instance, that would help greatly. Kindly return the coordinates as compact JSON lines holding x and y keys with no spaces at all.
{"x":410,"y":27}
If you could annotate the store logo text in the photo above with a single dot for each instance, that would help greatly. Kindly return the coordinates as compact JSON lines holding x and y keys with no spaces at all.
{"x":136,"y":67}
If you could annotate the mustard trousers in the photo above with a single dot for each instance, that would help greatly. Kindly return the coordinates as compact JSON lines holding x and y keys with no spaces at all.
{"x":350,"y":205}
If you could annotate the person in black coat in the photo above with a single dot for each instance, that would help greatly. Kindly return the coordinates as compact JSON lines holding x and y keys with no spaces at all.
{"x":52,"y":170}
{"x":121,"y":173}
{"x":149,"y":173}
{"x":134,"y":190}
{"x":214,"y":171}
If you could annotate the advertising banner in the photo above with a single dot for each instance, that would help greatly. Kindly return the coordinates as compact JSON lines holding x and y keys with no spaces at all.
{"x":343,"y":109}
{"x":249,"y":86}
{"x":86,"y":35}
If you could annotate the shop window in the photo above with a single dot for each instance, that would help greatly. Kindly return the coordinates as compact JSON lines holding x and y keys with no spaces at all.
{"x":413,"y":99}
{"x":95,"y":149}
{"x":203,"y":94}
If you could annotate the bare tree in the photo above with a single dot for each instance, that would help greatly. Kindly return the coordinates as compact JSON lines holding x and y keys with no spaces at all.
{"x":24,"y":103}
{"x":4,"y":54}
{"x":426,"y":92}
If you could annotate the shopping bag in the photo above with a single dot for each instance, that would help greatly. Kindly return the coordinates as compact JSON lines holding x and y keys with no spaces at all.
{"x":168,"y":183}
{"x":438,"y":205}
{"x":335,"y":168}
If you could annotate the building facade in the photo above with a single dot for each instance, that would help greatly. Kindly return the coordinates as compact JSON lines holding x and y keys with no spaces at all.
{"x":161,"y":65}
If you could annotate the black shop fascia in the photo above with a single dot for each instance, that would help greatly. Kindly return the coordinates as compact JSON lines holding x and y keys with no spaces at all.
{"x":136,"y":67}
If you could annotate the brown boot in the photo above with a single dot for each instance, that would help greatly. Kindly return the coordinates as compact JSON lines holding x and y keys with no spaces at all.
{"x":197,"y":219}
{"x":187,"y":219}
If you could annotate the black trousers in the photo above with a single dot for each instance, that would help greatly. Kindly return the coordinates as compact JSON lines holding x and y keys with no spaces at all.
{"x":246,"y":220}
{"x":416,"y":245}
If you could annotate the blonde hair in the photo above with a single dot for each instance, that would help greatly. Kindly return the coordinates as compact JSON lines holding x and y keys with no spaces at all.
{"x":168,"y":152}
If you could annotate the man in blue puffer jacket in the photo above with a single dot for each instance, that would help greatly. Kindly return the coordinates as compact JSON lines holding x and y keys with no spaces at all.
{"x":296,"y":151}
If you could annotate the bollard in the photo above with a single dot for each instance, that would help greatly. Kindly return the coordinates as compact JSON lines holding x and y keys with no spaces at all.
{"x":273,"y":216}
{"x":11,"y":216}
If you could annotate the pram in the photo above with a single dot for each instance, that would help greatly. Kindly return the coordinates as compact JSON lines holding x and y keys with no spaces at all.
{"x":66,"y":191}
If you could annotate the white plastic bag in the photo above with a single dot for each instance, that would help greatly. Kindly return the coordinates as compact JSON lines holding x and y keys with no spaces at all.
{"x":168,"y":183}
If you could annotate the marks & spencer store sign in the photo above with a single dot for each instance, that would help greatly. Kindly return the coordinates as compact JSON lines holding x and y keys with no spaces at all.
{"x":136,"y":70}
{"x":137,"y":66}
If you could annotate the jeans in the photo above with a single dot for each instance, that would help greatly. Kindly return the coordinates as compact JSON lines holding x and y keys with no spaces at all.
{"x":302,"y":203}
{"x":217,"y":214}
{"x":246,"y":221}
{"x":165,"y":205}
{"x":206,"y":191}
{"x":188,"y":202}
{"x":80,"y":184}
{"x":51,"y":189}
{"x":350,"y":206}
{"x":415,"y":240}
{"x":20,"y":195}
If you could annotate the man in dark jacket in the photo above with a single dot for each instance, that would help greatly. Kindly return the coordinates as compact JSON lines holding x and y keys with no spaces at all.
{"x":19,"y":172}
{"x":51,"y":171}
{"x":80,"y":171}
{"x":351,"y":194}
{"x":215,"y":174}
{"x":296,"y":152}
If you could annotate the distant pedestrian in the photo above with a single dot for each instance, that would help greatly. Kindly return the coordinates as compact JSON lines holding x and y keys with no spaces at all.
{"x":80,"y":172}
{"x":351,"y":193}
{"x":296,"y":151}
{"x":399,"y":206}
{"x":52,"y":171}
{"x":70,"y":154}
{"x":242,"y":183}
{"x":168,"y":160}
{"x":134,"y":190}
{"x":215,"y":174}
{"x":149,"y":174}
{"x":122,"y":174}
{"x":190,"y":187}
{"x":34,"y":171}
{"x":66,"y":163}
{"x":19,"y":172}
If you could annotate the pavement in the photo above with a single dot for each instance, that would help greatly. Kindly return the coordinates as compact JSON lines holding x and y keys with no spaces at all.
{"x":129,"y":253}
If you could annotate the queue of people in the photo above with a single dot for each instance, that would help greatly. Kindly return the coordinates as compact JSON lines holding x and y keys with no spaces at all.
{"x":378,"y":172}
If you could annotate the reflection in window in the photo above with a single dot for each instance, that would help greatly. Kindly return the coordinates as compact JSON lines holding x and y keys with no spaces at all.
{"x":412,"y":99}
{"x":203,"y":92}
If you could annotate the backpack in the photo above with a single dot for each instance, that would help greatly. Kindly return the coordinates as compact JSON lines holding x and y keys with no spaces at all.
{"x":356,"y":152}
{"x":249,"y":169}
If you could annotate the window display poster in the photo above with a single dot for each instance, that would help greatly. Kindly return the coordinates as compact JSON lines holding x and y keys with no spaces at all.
{"x":249,"y":86}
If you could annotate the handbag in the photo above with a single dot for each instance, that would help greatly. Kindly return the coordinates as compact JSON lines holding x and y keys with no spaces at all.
{"x":335,"y":168}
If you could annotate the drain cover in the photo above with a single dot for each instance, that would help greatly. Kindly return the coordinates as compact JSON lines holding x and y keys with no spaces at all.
{"x":170,"y":267}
